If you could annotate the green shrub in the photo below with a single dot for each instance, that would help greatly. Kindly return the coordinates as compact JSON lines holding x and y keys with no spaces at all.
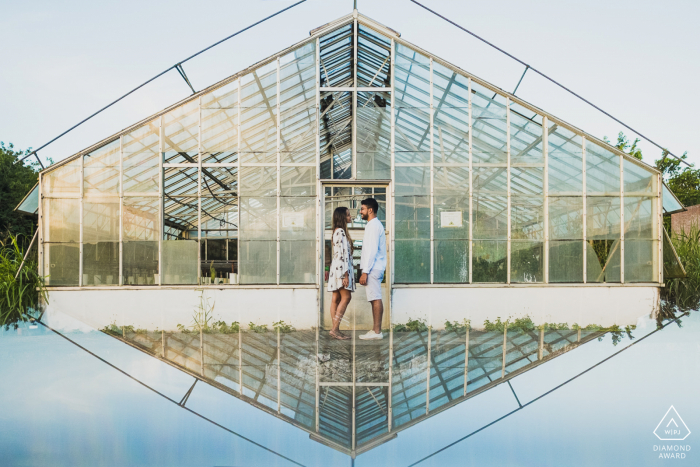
{"x":684,"y":293}
{"x":413,"y":325}
{"x":20,"y":296}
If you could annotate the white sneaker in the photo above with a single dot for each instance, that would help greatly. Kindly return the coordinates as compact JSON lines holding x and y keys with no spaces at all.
{"x":372,"y":335}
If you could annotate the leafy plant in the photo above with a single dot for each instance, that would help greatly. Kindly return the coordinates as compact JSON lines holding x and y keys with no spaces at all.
{"x":20,"y":295}
{"x":259,"y":329}
{"x":684,"y":293}
{"x":220,"y":326}
{"x":518,"y":324}
{"x":458,"y":327}
{"x":283,"y":327}
{"x":413,"y":325}
{"x":112,"y":329}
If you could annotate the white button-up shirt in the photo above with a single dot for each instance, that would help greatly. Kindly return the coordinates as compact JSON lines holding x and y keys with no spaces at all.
{"x":373,"y":248}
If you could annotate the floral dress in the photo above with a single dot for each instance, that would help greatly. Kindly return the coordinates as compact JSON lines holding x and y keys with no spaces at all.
{"x":342,"y":262}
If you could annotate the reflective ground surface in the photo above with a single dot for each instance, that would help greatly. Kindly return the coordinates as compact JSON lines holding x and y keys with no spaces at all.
{"x":84,"y":397}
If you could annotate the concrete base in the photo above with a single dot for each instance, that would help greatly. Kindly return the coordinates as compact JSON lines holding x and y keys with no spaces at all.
{"x":164,"y":309}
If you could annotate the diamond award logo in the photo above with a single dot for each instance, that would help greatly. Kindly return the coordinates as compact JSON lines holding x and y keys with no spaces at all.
{"x":671,"y":427}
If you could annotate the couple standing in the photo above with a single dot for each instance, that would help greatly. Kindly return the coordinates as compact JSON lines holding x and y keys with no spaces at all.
{"x":341,"y":278}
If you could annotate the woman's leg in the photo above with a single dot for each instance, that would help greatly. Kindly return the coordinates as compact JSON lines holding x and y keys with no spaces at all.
{"x":345,"y":297}
{"x":335,"y":300}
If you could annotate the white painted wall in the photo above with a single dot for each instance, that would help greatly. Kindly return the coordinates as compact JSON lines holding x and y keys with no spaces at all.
{"x":166,"y":308}
{"x":600,"y":305}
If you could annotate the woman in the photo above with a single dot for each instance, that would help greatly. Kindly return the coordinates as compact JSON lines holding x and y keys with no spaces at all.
{"x":341,"y":278}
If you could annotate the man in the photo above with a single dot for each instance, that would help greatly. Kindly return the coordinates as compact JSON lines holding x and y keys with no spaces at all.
{"x":373,"y":264}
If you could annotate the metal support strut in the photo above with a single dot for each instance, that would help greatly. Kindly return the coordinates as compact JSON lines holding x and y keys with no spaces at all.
{"x":181,"y":70}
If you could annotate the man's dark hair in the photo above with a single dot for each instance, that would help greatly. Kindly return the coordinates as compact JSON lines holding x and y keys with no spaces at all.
{"x":372,"y":204}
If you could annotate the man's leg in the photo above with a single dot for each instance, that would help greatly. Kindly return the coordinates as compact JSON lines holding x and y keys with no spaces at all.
{"x":377,"y":313}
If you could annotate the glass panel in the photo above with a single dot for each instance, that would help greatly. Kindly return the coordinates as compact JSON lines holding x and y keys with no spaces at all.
{"x":220,"y":120}
{"x":298,"y":219}
{"x":258,"y":218}
{"x":566,"y":261}
{"x":181,"y":134}
{"x":489,"y":126}
{"x":493,"y":180}
{"x":451,"y":261}
{"x":638,"y":179}
{"x":603,"y":234}
{"x":641,"y":260}
{"x":141,"y":223}
{"x":490,"y":217}
{"x":672,"y":265}
{"x":372,"y":408}
{"x":258,"y":262}
{"x":450,"y":116}
{"x":219,"y":181}
{"x":101,"y":263}
{"x":602,"y":170}
{"x":527,"y":218}
{"x":259,"y":114}
{"x":30,"y":204}
{"x":180,"y":261}
{"x":101,"y":170}
{"x":258,"y":181}
{"x":140,"y":263}
{"x":298,"y":181}
{"x":521,"y":348}
{"x":525,"y":136}
{"x":565,"y":218}
{"x":485,"y":358}
{"x":670,"y":202}
{"x":61,"y":264}
{"x":63,"y":180}
{"x":412,"y":217}
{"x":412,"y":181}
{"x":565,"y":161}
{"x":140,"y":156}
{"x":61,"y":220}
{"x":640,"y":218}
{"x":373,"y":58}
{"x":373,"y":135}
{"x":297,"y":262}
{"x":335,"y":137}
{"x":141,"y":219}
{"x":526,"y":262}
{"x":411,"y":101}
{"x":298,"y":105}
{"x":409,"y":376}
{"x":101,"y":220}
{"x":447,"y":366}
{"x":412,"y":261}
{"x":336,"y":56}
{"x":489,"y":261}
{"x":298,"y":354}
{"x":527,"y":181}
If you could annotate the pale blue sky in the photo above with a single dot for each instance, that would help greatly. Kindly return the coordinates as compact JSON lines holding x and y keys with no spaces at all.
{"x":62,"y":60}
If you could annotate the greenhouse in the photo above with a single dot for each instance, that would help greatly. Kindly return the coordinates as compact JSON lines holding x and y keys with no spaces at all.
{"x":485,"y":198}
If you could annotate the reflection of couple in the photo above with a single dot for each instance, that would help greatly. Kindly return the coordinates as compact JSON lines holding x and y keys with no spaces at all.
{"x":341,"y":279}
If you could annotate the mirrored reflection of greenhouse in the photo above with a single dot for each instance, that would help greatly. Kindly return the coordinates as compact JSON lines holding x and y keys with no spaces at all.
{"x":354,"y":398}
{"x":233,"y":187}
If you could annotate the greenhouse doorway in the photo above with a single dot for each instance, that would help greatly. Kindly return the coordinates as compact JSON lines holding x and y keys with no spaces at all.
{"x":337,"y":194}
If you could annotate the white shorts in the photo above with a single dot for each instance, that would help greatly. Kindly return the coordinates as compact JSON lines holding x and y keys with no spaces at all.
{"x":374,"y":285}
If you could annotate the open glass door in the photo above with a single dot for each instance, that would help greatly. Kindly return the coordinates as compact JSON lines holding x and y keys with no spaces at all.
{"x":358,"y":315}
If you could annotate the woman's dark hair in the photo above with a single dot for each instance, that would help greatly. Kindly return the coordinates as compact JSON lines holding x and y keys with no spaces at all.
{"x":372,"y":204}
{"x":339,"y":221}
